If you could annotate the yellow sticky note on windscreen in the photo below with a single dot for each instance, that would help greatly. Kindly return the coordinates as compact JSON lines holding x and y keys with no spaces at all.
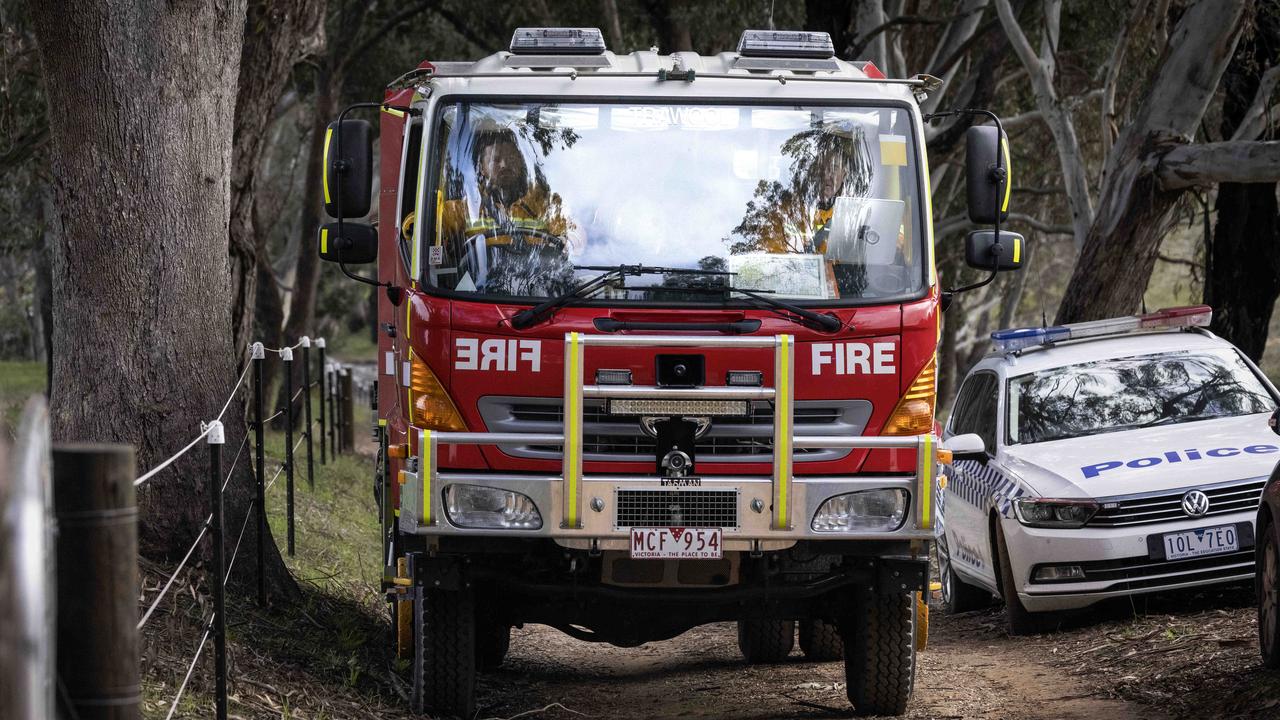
{"x":893,"y":150}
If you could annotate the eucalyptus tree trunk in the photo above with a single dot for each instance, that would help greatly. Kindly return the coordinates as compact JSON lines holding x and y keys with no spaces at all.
{"x":1242,"y":279}
{"x":141,"y":99}
{"x":1134,"y":206}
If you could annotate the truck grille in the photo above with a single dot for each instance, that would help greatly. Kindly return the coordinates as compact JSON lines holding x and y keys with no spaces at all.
{"x":1166,"y":506}
{"x":607,"y":437}
{"x":676,"y":508}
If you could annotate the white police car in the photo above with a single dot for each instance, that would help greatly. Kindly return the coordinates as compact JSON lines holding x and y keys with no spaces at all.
{"x":1101,"y":459}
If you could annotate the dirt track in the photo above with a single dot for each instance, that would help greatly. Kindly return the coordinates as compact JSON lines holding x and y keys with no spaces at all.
{"x":701,"y":675}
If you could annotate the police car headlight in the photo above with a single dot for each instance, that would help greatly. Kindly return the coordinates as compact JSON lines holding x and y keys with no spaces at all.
{"x":486,"y":508}
{"x":1038,"y":512}
{"x":863,"y":511}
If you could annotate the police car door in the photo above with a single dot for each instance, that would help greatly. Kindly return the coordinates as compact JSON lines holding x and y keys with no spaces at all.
{"x":973,"y":482}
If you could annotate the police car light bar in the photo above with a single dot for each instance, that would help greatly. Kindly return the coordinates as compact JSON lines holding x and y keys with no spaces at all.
{"x":557,"y":41}
{"x":786,"y":44}
{"x":1012,"y":340}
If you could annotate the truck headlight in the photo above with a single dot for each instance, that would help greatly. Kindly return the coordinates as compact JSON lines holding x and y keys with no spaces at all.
{"x":486,"y":508}
{"x":880,"y":510}
{"x":1043,"y":513}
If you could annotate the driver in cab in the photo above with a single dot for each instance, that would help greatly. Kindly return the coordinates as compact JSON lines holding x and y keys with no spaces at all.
{"x":513,"y":230}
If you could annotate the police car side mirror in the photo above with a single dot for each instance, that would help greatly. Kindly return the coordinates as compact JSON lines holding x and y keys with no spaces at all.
{"x":1274,"y":421}
{"x":986,"y":167}
{"x":982,"y":251}
{"x":968,"y":446}
{"x":357,"y":244}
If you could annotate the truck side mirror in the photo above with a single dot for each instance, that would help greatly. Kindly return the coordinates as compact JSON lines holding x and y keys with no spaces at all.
{"x":983,"y":252}
{"x":357,"y":243}
{"x":1274,"y":421}
{"x":986,"y":185}
{"x":354,"y":166}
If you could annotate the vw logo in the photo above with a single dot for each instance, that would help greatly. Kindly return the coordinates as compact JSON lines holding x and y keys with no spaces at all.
{"x":1195,"y":503}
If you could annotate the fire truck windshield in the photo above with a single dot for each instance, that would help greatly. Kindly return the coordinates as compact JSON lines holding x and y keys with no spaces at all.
{"x":817,"y":204}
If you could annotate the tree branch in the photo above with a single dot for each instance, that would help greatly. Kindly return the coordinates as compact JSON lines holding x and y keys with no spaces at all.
{"x":1057,"y":115}
{"x":1209,"y":163}
{"x":1255,"y":118}
{"x":1109,"y":129}
{"x":380,"y":34}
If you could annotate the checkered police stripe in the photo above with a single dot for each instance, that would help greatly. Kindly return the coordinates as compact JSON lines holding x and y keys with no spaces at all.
{"x":976,"y":483}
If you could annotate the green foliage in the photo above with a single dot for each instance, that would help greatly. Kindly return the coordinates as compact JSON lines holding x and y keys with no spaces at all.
{"x":18,"y":381}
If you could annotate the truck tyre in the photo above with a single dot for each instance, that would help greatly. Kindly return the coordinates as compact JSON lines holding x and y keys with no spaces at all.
{"x":444,"y":658}
{"x":880,"y":653}
{"x":766,"y":641}
{"x":820,"y":641}
{"x":493,"y":640}
{"x":1021,"y":620}
{"x":957,"y":595}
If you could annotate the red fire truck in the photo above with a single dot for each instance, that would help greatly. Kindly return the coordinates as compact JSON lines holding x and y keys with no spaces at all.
{"x":657,"y":349}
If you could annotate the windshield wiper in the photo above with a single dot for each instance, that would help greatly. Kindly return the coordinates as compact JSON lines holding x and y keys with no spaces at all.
{"x":823,"y":321}
{"x":531,"y":316}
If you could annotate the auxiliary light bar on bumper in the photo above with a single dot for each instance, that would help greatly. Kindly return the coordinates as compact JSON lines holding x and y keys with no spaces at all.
{"x":771,"y":506}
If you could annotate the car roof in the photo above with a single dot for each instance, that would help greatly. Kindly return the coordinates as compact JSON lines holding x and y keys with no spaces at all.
{"x":1073,"y":352}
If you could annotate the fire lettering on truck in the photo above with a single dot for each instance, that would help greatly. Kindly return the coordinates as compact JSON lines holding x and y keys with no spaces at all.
{"x":854,"y":358}
{"x":497,"y":354}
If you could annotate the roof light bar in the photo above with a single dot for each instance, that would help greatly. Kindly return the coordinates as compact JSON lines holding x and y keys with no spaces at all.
{"x":1015,"y":339}
{"x":786,"y":44}
{"x":557,"y":41}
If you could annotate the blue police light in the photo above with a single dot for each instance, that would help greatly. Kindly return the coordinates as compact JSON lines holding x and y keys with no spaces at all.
{"x":1012,"y":340}
{"x":1016,"y":339}
{"x":557,"y":41}
{"x":786,"y":44}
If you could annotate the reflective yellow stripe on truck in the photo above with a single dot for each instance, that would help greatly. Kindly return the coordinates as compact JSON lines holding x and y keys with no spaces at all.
{"x":572,"y":429}
{"x":424,"y":474}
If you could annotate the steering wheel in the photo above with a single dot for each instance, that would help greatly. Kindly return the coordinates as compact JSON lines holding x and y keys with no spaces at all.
{"x":544,"y":238}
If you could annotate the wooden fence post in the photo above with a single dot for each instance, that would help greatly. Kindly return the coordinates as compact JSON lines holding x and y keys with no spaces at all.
{"x":97,"y":570}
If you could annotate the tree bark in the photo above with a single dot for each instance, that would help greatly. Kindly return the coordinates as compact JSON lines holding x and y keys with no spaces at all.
{"x":1242,"y":280}
{"x":1119,"y":252}
{"x":141,"y":99}
{"x":612,"y":24}
{"x":1235,"y":161}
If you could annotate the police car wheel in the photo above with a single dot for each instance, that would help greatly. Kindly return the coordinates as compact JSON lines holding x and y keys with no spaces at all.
{"x":1269,"y":596}
{"x":957,"y":595}
{"x":820,"y":641}
{"x":444,"y":662}
{"x":880,"y":653}
{"x":766,"y":641}
{"x":1021,"y":620}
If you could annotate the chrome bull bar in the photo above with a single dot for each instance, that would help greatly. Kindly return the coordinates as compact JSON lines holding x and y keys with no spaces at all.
{"x":571,"y":440}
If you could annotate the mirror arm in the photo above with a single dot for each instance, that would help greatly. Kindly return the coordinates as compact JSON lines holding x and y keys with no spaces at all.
{"x":342,"y":170}
{"x":338,"y":183}
{"x":999,"y":174}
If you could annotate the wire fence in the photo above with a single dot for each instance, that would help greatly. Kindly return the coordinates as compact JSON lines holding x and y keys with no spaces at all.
{"x":98,"y":523}
{"x":331,"y":389}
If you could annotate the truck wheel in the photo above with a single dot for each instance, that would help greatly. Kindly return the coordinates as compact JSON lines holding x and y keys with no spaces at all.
{"x":880,"y":654}
{"x":766,"y":641}
{"x":444,"y":658}
{"x":957,"y":595}
{"x":1269,"y":596}
{"x":1021,"y":620}
{"x":492,"y":642}
{"x":820,"y":641}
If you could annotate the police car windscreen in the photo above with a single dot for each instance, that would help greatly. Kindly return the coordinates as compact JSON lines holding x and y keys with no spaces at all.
{"x":810,"y":203}
{"x":1133,"y":392}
